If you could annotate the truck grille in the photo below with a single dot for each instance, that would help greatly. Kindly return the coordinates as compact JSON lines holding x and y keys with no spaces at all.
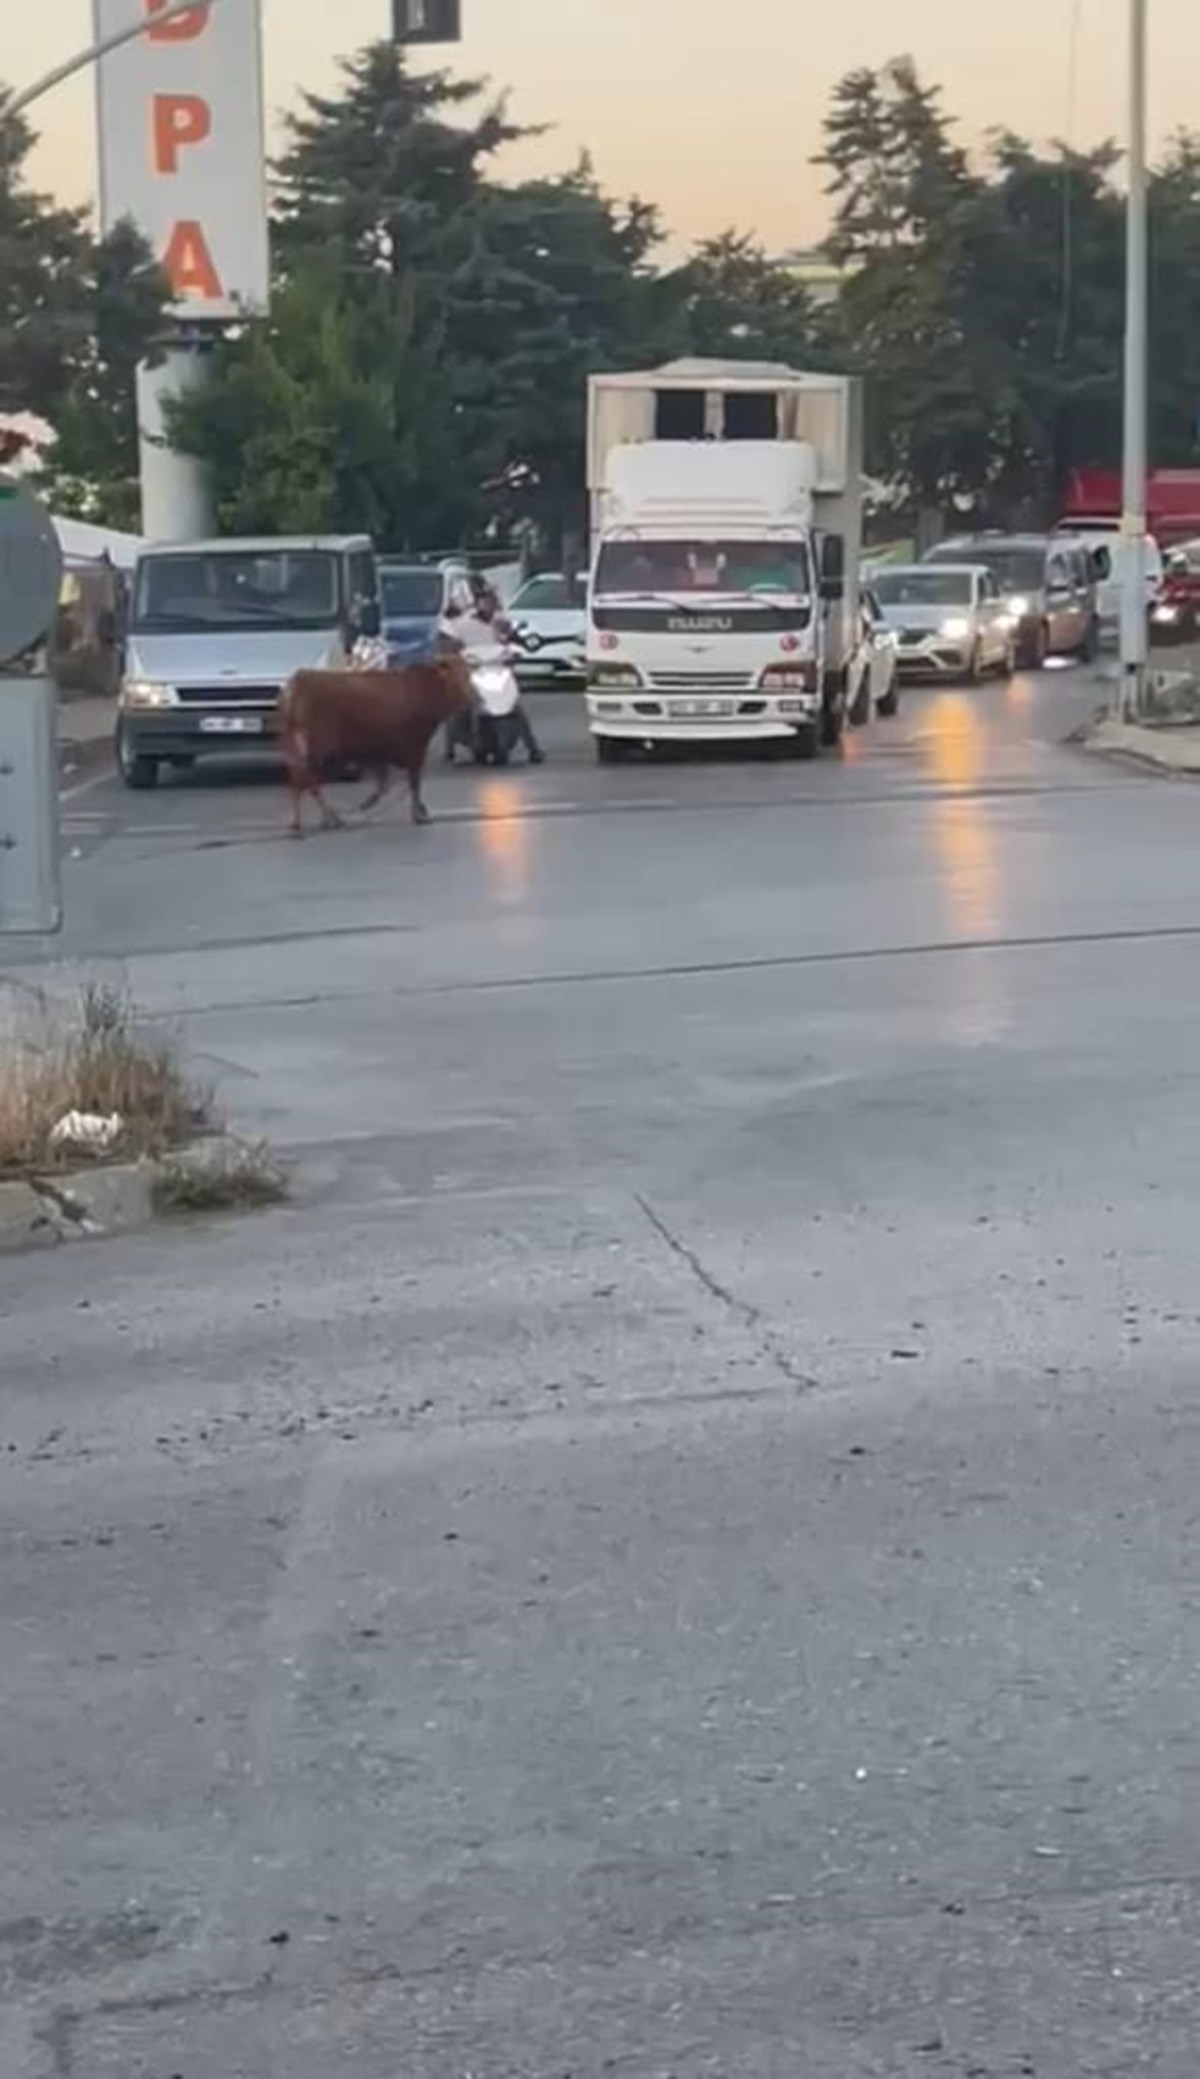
{"x":231,"y":694}
{"x":703,"y":681}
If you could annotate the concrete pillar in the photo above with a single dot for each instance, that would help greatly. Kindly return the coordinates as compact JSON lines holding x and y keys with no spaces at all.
{"x":177,"y":500}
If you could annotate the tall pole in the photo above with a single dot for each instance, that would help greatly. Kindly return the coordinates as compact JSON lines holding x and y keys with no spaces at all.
{"x":1133,"y":487}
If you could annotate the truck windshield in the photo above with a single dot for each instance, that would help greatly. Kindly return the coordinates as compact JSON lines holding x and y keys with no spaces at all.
{"x":204,"y":589}
{"x":412,"y":592}
{"x":922,"y":587}
{"x":627,"y":569}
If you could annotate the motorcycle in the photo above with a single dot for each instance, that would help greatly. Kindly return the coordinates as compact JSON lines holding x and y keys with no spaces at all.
{"x":488,"y":730}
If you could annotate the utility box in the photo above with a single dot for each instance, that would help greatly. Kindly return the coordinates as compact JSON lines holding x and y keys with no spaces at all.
{"x":30,"y":879}
{"x":427,"y":21}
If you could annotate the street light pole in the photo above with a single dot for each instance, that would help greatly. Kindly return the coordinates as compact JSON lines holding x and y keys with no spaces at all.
{"x":173,"y":11}
{"x":1133,"y":486}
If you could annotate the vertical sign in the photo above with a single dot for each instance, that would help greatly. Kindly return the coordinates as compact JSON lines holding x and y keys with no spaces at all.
{"x":182,"y":148}
{"x":427,"y":21}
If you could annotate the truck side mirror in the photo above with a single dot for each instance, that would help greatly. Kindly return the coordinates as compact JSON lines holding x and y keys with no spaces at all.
{"x":833,"y":566}
{"x":1101,"y":563}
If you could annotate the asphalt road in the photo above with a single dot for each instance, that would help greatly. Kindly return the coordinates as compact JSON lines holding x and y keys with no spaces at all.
{"x":679,"y":1553}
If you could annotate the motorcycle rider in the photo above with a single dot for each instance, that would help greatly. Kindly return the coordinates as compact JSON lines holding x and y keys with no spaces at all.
{"x":483,"y":628}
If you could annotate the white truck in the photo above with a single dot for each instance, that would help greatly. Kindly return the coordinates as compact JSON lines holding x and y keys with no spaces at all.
{"x":726,"y":515}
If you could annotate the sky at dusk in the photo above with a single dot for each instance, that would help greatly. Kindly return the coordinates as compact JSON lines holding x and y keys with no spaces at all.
{"x":712,"y":109}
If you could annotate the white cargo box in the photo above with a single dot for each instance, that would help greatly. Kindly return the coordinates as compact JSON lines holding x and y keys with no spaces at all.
{"x":731,"y":402}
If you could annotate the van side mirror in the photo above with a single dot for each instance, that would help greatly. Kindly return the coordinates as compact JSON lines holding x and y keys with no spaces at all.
{"x":833,"y":566}
{"x":1101,"y":563}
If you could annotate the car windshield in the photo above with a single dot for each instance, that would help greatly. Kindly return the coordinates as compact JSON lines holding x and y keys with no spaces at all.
{"x":411,"y":592}
{"x":922,"y":587}
{"x":1014,"y":569}
{"x":220,"y":588}
{"x":632,"y":568}
{"x":551,"y":594}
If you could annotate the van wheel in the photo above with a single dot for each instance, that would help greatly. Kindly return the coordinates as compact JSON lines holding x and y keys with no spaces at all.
{"x":137,"y":771}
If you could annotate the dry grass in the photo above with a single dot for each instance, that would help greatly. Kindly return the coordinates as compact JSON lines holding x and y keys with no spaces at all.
{"x":92,"y":1058}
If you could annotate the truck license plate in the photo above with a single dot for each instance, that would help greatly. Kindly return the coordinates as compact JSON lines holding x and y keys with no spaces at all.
{"x":705,"y":707}
{"x":231,"y":725}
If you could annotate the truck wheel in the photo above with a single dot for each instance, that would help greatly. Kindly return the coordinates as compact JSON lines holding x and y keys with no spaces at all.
{"x":805,"y":742}
{"x":833,"y":722}
{"x":860,"y":713}
{"x":137,"y":771}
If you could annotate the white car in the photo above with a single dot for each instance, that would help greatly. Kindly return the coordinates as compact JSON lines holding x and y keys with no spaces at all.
{"x":949,"y":620}
{"x":549,"y":619}
{"x":876,"y":686}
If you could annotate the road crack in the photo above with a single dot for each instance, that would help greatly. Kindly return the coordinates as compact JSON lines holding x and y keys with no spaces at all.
{"x":765,"y":1338}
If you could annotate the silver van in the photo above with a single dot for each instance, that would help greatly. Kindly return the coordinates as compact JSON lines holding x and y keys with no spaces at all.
{"x":1049,"y":586}
{"x":216,"y":628}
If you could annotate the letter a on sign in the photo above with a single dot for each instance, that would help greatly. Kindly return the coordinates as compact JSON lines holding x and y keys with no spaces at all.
{"x":189,"y":266}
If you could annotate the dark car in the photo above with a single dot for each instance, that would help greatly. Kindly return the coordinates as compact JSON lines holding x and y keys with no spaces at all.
{"x":1049,"y":586}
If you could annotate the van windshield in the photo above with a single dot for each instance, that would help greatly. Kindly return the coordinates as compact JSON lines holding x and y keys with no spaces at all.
{"x":415,"y":593}
{"x":1014,"y":569}
{"x":205,"y":589}
{"x":627,"y":569}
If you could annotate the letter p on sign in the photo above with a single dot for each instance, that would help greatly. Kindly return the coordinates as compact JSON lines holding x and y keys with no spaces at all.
{"x":180,"y":121}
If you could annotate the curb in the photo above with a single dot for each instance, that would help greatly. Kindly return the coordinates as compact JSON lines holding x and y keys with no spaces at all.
{"x":218,"y":1173}
{"x":1173,"y":752}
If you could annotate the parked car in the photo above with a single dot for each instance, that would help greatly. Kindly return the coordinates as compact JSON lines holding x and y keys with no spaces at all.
{"x":1048,"y":584}
{"x":549,"y":617}
{"x":1175,"y":615}
{"x":948,"y":619}
{"x":875,"y":688}
{"x":414,"y":600}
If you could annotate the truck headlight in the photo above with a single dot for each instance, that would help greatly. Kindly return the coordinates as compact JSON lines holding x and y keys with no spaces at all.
{"x":956,"y":629}
{"x":148,"y":693}
{"x":606,"y":676}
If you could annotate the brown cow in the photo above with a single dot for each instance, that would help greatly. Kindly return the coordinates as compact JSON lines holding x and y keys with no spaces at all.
{"x":380,"y":721}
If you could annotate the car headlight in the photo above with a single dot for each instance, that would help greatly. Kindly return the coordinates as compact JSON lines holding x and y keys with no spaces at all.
{"x":148,"y":693}
{"x":1018,"y":606}
{"x":1166,"y":613}
{"x":956,"y":629}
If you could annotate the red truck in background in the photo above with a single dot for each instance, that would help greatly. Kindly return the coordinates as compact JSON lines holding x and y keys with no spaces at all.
{"x":1092,"y":507}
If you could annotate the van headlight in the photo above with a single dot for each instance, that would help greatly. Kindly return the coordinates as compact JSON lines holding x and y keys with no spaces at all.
{"x":956,"y":629}
{"x":1017,"y":606}
{"x":148,"y":693}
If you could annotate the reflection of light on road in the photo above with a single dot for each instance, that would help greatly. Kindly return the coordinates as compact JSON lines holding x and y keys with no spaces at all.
{"x":504,"y":836}
{"x":969,"y":880}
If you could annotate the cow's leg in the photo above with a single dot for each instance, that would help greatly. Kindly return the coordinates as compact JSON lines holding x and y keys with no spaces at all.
{"x":420,"y":814}
{"x":297,"y":787}
{"x":330,"y":819}
{"x":383,"y":777}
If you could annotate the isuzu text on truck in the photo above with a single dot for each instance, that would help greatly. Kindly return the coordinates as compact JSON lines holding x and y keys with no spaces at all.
{"x":726,"y":532}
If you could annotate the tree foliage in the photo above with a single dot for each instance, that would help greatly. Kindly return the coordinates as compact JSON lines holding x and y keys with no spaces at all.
{"x":77,"y":315}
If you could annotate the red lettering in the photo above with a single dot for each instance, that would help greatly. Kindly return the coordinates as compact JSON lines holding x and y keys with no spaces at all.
{"x":180,"y":121}
{"x":184,"y":28}
{"x":189,"y":266}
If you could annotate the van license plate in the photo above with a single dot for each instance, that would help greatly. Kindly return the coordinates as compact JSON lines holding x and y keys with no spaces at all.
{"x":704,"y":707}
{"x":231,"y":725}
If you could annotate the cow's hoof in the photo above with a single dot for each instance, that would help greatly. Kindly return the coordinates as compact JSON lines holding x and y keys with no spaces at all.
{"x":421,"y":815}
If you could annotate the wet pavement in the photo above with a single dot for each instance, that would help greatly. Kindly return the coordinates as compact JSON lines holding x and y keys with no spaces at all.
{"x":676,"y":1555}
